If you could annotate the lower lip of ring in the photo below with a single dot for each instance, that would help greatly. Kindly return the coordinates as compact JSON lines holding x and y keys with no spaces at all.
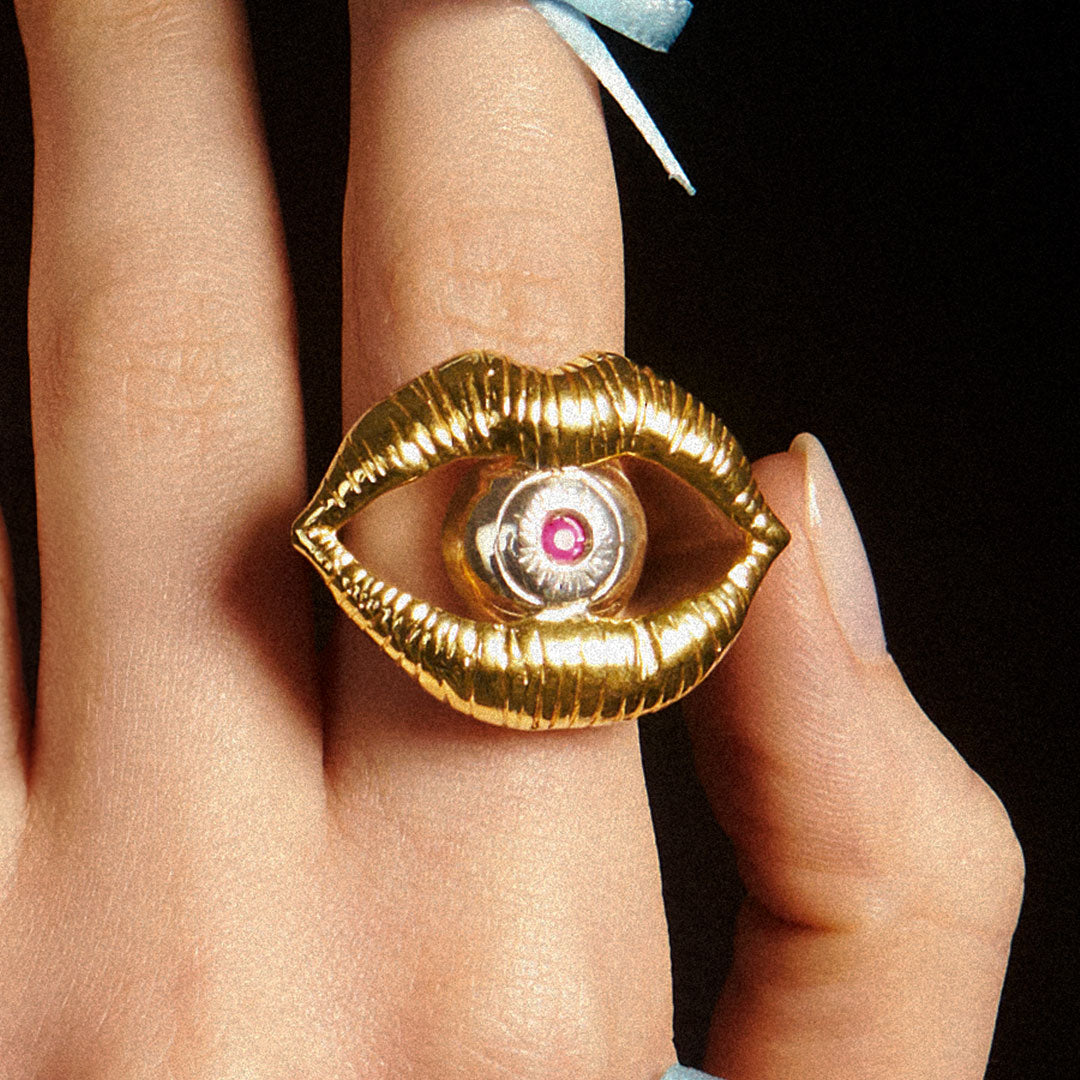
{"x":563,"y":538}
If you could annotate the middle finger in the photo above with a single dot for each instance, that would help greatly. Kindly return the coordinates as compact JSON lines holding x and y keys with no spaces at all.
{"x":482,"y":213}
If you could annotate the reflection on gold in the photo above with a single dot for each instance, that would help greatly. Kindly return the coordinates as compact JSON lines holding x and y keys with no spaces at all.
{"x":531,"y":673}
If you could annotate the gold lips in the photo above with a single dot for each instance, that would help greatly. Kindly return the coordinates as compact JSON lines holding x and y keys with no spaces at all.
{"x":531,"y":673}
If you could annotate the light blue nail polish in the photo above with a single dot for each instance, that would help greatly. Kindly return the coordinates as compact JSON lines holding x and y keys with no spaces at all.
{"x":653,"y":23}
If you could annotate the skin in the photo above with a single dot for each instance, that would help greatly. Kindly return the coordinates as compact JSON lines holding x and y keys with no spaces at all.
{"x":222,"y":856}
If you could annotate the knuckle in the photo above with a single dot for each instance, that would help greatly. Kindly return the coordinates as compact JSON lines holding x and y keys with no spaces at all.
{"x":522,"y":1052}
{"x":498,"y":288}
{"x":159,"y":362}
{"x":540,"y":1015}
{"x":141,"y":24}
{"x":998,"y":848}
{"x":980,"y":864}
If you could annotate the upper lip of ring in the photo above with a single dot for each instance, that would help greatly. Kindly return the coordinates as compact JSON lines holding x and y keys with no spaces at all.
{"x":531,"y":673}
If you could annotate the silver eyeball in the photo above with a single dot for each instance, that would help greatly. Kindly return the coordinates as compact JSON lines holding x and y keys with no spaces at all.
{"x":551,"y":543}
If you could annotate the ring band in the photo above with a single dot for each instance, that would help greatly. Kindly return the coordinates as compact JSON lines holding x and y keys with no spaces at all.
{"x":540,"y":670}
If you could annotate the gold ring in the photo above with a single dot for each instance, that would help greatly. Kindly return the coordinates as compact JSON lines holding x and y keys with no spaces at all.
{"x":547,"y":540}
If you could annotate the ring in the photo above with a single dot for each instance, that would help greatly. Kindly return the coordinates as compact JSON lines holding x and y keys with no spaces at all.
{"x":547,"y":539}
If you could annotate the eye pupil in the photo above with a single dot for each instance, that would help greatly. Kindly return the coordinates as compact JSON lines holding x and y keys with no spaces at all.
{"x":564,"y":537}
{"x":551,"y":542}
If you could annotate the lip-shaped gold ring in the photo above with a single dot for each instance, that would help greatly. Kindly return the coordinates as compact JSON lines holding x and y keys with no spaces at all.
{"x":531,"y":673}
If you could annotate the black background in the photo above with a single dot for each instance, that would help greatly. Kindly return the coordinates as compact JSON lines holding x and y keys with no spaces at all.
{"x":876,"y":254}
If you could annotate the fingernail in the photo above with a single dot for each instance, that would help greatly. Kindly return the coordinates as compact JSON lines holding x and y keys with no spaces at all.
{"x":839,"y":552}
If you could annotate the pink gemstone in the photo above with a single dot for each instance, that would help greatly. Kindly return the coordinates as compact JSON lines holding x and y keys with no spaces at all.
{"x":563,"y":537}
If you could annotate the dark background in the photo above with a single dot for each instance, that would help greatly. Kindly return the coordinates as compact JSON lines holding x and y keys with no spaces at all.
{"x":876,"y":254}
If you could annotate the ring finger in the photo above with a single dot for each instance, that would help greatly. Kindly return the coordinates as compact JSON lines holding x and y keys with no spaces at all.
{"x":167,"y":422}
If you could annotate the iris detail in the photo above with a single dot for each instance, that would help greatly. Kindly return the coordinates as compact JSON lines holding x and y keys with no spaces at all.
{"x":552,"y":543}
{"x":564,"y":537}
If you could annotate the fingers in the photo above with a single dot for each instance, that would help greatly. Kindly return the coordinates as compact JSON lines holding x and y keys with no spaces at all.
{"x":883,"y":875}
{"x":481,"y":208}
{"x":13,"y":714}
{"x":167,"y":417}
{"x":482,"y":213}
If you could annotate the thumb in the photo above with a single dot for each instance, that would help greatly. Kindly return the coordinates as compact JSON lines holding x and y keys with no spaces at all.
{"x":883,"y":876}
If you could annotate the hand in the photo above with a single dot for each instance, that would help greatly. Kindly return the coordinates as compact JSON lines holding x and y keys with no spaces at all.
{"x":223,"y":856}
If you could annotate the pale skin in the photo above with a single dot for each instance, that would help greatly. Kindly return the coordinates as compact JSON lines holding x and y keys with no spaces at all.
{"x":223,"y":856}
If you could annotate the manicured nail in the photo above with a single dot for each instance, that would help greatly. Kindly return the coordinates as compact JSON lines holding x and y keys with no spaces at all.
{"x":839,"y":552}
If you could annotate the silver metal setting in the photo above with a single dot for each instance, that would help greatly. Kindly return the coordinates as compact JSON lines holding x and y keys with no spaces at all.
{"x":499,"y":546}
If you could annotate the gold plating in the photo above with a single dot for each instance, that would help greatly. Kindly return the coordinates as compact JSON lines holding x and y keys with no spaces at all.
{"x":531,"y":673}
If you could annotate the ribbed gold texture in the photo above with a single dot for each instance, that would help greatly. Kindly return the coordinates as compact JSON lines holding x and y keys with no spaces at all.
{"x":529,"y":673}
